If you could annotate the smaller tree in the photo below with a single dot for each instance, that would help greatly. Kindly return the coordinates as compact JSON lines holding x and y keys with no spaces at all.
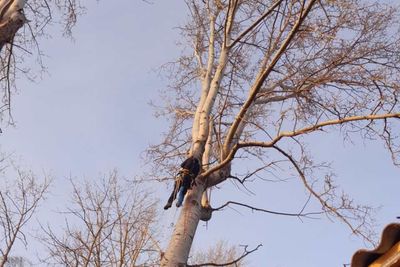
{"x":17,"y":262}
{"x":19,"y":199}
{"x":111,"y":223}
{"x":221,"y":254}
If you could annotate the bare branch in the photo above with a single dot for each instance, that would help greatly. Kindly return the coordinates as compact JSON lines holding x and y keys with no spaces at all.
{"x":300,"y":214}
{"x":256,"y":23}
{"x":305,"y":130}
{"x":319,"y":126}
{"x":245,"y":253}
{"x":263,"y":76}
{"x":345,"y":205}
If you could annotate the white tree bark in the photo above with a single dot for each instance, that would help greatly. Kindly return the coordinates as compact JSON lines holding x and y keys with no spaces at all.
{"x":180,"y":244}
{"x":275,"y":68}
{"x":181,"y":241}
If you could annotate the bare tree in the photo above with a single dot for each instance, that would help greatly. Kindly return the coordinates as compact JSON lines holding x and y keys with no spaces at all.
{"x":20,"y":197}
{"x":221,"y":254}
{"x":256,"y":77}
{"x":22,"y":24}
{"x":110,"y":223}
{"x":17,"y":262}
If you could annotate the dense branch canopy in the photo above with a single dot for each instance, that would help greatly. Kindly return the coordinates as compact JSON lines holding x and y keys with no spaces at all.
{"x":255,"y":77}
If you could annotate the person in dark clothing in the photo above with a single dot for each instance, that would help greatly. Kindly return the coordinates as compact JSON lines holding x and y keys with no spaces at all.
{"x":190,"y":168}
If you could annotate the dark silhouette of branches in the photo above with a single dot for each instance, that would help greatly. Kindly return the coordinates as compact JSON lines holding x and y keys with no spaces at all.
{"x":20,"y":197}
{"x":299,"y":214}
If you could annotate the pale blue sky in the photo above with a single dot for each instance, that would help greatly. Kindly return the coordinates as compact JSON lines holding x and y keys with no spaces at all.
{"x":90,"y":115}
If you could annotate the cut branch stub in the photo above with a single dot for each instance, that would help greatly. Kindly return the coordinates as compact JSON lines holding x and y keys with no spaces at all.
{"x":206,"y":213}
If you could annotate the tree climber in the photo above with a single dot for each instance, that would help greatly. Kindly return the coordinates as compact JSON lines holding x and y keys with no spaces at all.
{"x":184,"y":180}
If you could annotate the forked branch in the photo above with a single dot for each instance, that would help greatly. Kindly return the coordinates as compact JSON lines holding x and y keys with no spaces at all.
{"x":305,"y":130}
{"x":263,"y":75}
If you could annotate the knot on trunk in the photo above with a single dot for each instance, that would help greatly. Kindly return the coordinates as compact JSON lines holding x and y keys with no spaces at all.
{"x":205,"y":213}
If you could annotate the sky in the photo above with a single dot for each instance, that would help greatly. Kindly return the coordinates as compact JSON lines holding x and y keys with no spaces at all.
{"x":90,"y":114}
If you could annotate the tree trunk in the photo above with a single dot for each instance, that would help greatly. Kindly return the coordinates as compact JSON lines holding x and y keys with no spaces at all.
{"x":9,"y":27}
{"x":181,"y":241}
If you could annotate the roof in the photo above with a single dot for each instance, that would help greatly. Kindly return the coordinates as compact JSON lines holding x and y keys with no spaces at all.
{"x":390,"y":236}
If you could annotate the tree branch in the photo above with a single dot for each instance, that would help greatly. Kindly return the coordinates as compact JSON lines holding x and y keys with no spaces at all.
{"x":318,"y":126}
{"x":263,"y":76}
{"x":300,"y":214}
{"x":324,"y":203}
{"x":305,"y":130}
{"x":257,"y":22}
{"x":245,"y":253}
